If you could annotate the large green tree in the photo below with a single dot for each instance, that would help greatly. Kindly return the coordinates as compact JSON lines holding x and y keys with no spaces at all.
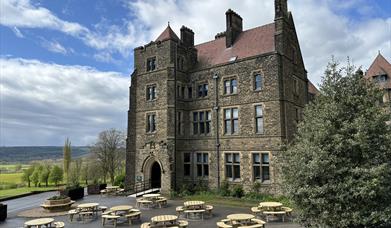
{"x":338,"y":169}
{"x":67,"y":156}
{"x":56,"y":175}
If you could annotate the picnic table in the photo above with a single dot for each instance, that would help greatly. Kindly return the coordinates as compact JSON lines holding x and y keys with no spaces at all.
{"x":241,"y":218}
{"x":120,"y":209}
{"x":164,"y":220}
{"x":194,"y":204}
{"x":151,"y":196}
{"x":271,"y":205}
{"x":39,"y":222}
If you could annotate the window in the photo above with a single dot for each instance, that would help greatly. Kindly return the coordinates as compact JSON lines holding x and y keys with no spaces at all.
{"x":203,"y":90}
{"x":186,"y":164}
{"x":180,"y":63}
{"x":182,"y":92}
{"x":297,"y":115}
{"x":295,"y":86}
{"x":259,"y":119}
{"x":151,"y":64}
{"x":151,"y":93}
{"x":232,"y":166}
{"x":202,"y":165}
{"x":189,"y":92}
{"x":201,"y":122}
{"x":230,"y":86}
{"x":151,"y":123}
{"x":257,"y":82}
{"x":179,"y":123}
{"x":231,"y":119}
{"x":380,"y":78}
{"x":261,"y":167}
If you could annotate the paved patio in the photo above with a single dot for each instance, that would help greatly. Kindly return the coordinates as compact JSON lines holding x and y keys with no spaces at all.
{"x":18,"y":205}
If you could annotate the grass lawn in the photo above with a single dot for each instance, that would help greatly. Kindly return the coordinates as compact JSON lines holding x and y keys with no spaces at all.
{"x":14,"y":178}
{"x":11,"y":167}
{"x":19,"y":191}
{"x":216,"y":199}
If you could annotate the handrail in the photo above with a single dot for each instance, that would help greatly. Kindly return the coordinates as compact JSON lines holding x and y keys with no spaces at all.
{"x":140,"y":186}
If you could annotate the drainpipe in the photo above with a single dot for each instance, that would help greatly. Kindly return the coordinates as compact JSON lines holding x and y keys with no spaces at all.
{"x":175,"y":111}
{"x":217,"y":138}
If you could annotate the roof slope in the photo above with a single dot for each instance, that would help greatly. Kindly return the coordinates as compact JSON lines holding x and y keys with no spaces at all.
{"x":167,"y":34}
{"x":380,"y":66}
{"x":312,"y":88}
{"x":249,"y":43}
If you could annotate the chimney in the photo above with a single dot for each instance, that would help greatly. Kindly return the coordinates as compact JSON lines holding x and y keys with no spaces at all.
{"x":234,"y":27}
{"x":281,"y":8}
{"x":187,"y":37}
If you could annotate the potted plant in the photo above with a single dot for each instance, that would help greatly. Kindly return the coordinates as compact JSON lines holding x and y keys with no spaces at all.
{"x":95,"y":188}
{"x":3,"y":212}
{"x":75,"y":192}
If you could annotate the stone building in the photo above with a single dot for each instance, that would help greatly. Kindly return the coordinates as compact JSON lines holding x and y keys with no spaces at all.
{"x":215,"y":111}
{"x":380,"y":73}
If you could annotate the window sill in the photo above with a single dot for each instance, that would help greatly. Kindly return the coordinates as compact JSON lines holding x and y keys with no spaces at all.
{"x":151,"y":100}
{"x":258,"y":90}
{"x":150,"y":133}
{"x":234,"y":180}
{"x":229,"y":95}
{"x":266,"y":182}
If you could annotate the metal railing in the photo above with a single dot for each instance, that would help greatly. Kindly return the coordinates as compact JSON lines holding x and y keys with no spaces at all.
{"x":141,"y":186}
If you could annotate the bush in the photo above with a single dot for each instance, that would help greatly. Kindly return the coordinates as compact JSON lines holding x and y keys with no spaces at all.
{"x":237,"y":191}
{"x":119,"y":180}
{"x":256,"y":187}
{"x":185,"y":190}
{"x":224,"y":188}
{"x":60,"y":197}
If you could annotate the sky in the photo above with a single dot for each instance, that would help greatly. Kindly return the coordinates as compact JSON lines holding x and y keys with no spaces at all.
{"x":65,"y":65}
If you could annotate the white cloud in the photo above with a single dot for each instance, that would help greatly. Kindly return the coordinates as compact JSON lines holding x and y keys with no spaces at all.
{"x":17,"y":32}
{"x":42,"y":103}
{"x":55,"y":46}
{"x":322,"y":26}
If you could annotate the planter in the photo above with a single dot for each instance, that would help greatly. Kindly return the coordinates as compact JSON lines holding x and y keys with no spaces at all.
{"x":3,"y":212}
{"x":73,"y":193}
{"x":95,"y":188}
{"x":57,"y":202}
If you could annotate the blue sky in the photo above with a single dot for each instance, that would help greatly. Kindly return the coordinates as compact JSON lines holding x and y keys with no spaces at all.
{"x":65,"y":65}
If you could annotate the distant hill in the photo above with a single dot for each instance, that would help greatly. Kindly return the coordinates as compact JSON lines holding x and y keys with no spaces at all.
{"x":25,"y":154}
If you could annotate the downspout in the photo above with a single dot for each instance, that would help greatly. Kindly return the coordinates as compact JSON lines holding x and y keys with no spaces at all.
{"x":175,"y":111}
{"x":217,"y":138}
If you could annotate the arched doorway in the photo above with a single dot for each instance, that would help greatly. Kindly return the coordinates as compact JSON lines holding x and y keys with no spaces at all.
{"x":156,"y":175}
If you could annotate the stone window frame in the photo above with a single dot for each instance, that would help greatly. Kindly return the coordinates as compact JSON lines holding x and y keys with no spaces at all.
{"x":229,"y":78}
{"x":202,"y":83}
{"x":223,"y":118}
{"x":260,"y":165}
{"x":147,"y":92}
{"x":147,"y":67}
{"x":225,"y":164}
{"x":262,"y":74}
{"x":296,"y":86}
{"x":180,"y":122}
{"x":255,"y":118}
{"x":188,"y":163}
{"x":147,"y":114}
{"x":189,"y":92}
{"x":202,"y":163}
{"x":205,"y":122}
{"x":180,"y":64}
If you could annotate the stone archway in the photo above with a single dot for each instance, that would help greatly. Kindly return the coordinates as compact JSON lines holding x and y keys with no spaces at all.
{"x":156,"y":175}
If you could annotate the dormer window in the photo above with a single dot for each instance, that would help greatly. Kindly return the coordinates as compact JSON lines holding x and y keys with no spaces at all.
{"x":151,"y":64}
{"x":380,"y":78}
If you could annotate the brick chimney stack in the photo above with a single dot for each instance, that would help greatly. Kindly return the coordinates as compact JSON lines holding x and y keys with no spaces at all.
{"x":187,"y":37}
{"x":234,"y":27}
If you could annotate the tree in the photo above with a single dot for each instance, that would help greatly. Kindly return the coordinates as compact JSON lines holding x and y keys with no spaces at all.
{"x":67,"y":156}
{"x":110,"y":151}
{"x":56,"y":175}
{"x":44,"y":175}
{"x":35,"y":176}
{"x":337,"y":171}
{"x":26,"y":177}
{"x":74,"y":173}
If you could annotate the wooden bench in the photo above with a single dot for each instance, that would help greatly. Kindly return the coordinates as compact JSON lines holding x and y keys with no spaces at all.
{"x":259,"y":221}
{"x":275,"y":213}
{"x":114,"y":218}
{"x":59,"y":224}
{"x":223,"y":225}
{"x":86,"y":214}
{"x":162,"y":201}
{"x":195,"y":214}
{"x":253,"y":226}
{"x":179,"y":210}
{"x":71,"y":213}
{"x":102,"y":208}
{"x":288,"y":210}
{"x":256,"y":211}
{"x":57,"y":207}
{"x":145,"y":225}
{"x":183,"y":223}
{"x":209,"y":209}
{"x":142,"y":203}
{"x":135,"y":215}
{"x":102,"y":192}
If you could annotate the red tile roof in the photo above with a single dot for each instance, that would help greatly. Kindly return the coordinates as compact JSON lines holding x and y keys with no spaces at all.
{"x":249,"y":43}
{"x":167,"y":34}
{"x":312,"y":89}
{"x":380,"y":66}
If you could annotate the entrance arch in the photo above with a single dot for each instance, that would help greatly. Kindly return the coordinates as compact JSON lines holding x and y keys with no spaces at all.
{"x":156,"y":175}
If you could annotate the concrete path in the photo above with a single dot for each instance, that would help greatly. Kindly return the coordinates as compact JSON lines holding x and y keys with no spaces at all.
{"x":17,"y":205}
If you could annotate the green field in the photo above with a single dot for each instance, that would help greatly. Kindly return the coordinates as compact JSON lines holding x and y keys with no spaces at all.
{"x":14,"y":178}
{"x":19,"y":191}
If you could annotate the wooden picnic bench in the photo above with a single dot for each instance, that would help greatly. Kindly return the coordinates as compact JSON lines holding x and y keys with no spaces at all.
{"x":275,"y":213}
{"x":195,"y":214}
